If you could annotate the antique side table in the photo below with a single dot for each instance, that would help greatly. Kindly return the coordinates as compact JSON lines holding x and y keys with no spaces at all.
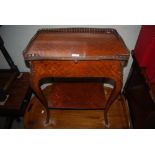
{"x":78,"y":56}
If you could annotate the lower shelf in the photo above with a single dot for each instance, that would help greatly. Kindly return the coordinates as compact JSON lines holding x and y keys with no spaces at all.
{"x":76,"y":96}
{"x":35,"y":116}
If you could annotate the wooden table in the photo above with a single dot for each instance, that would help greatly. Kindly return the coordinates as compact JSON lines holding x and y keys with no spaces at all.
{"x":78,"y":60}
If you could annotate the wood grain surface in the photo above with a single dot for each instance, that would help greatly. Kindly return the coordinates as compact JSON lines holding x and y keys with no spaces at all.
{"x":86,"y":43}
{"x":35,"y":116}
{"x":76,"y":53}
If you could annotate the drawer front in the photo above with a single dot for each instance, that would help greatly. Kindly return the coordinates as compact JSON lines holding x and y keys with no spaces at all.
{"x":76,"y":69}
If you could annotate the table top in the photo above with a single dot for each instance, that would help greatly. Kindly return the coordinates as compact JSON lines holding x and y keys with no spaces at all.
{"x":76,"y":43}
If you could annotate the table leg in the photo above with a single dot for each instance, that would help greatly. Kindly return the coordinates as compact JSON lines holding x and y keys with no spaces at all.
{"x":114,"y":94}
{"x":34,"y":81}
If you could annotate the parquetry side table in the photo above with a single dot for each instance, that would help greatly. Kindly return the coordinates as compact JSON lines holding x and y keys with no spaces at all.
{"x":76,"y":53}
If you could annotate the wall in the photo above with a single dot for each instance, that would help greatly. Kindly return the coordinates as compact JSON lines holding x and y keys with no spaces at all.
{"x":16,"y":39}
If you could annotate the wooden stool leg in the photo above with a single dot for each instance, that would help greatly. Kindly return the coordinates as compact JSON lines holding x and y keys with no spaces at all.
{"x":37,"y":90}
{"x":114,"y":94}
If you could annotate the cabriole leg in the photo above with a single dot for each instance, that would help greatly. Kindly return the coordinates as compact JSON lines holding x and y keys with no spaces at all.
{"x":114,"y":94}
{"x":34,"y":81}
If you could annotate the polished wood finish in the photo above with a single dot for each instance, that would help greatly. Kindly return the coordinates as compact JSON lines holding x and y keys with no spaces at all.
{"x":35,"y":117}
{"x":76,"y":96}
{"x":108,"y":69}
{"x":76,"y":53}
{"x":88,"y":43}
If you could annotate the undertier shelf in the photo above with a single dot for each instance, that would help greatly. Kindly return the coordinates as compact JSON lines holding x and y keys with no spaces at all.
{"x":76,"y":96}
